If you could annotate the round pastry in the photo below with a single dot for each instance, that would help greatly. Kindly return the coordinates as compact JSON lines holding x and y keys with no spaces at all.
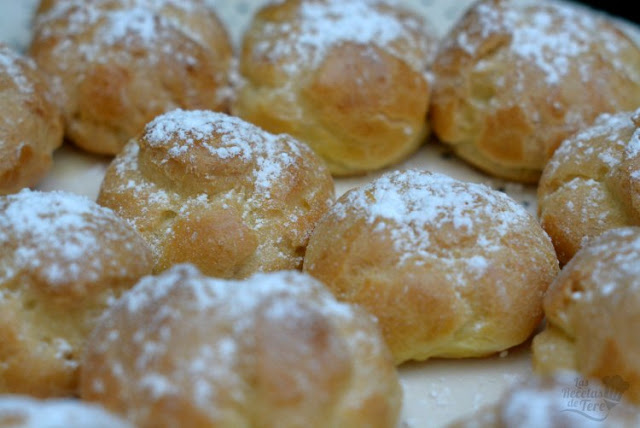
{"x":562,"y":400}
{"x":347,"y":77}
{"x":592,"y":183}
{"x":63,"y":260}
{"x":213,"y":190}
{"x":116,"y":64}
{"x":30,"y":124}
{"x":26,"y":412}
{"x":593,"y":310}
{"x":274,"y":350}
{"x":513,"y":79}
{"x":451,"y":269}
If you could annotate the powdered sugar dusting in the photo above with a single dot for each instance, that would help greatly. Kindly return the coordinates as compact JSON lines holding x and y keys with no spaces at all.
{"x":10,"y":67}
{"x":56,"y":223}
{"x":29,"y":412}
{"x":225,"y":137}
{"x":320,"y":25}
{"x":550,"y":35}
{"x":614,"y":261}
{"x":211,"y":366}
{"x":409,"y":204}
{"x":604,"y":140}
{"x":94,"y":26}
{"x":633,"y":147}
{"x":240,"y":169}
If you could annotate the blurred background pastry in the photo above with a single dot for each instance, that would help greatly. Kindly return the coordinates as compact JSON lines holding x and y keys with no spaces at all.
{"x":274,"y":350}
{"x":592,"y":311}
{"x":116,"y":64}
{"x":592,"y":183}
{"x":30,"y":123}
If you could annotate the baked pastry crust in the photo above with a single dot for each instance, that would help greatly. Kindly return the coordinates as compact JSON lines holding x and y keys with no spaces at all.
{"x":274,"y":350}
{"x":451,"y":269}
{"x":30,"y":123}
{"x":346,"y":77}
{"x":63,"y":260}
{"x":213,"y":190}
{"x":513,"y":79}
{"x":592,"y":311}
{"x":116,"y":64}
{"x":592,"y":183}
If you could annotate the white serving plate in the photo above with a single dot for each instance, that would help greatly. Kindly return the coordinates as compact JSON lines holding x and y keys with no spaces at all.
{"x":436,"y":391}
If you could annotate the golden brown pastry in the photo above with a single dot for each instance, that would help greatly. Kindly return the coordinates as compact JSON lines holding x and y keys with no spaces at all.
{"x":593,"y":311}
{"x":63,"y":260}
{"x":592,"y":183}
{"x":347,"y":77}
{"x":216,"y":191}
{"x":30,"y":124}
{"x":116,"y":64}
{"x":513,"y":79}
{"x":562,"y":400}
{"x":274,"y":350}
{"x":26,"y":412}
{"x":451,"y":269}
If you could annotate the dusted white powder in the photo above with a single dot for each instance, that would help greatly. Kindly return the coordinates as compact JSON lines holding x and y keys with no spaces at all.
{"x":551,"y":35}
{"x":411,"y":205}
{"x":57,"y":233}
{"x":182,"y":291}
{"x":320,"y":25}
{"x":90,"y":27}
{"x":587,"y":144}
{"x":56,"y":413}
{"x":10,"y":67}
{"x":226,"y":137}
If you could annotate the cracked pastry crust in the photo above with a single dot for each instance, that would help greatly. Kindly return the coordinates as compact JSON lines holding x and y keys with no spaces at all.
{"x":213,"y":190}
{"x":116,"y":64}
{"x":513,"y":79}
{"x":349,"y":78}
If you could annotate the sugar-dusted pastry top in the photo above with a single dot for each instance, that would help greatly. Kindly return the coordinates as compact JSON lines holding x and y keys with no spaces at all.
{"x":26,"y":412}
{"x":450,"y":268}
{"x":63,"y":239}
{"x":30,"y":124}
{"x":116,"y":64}
{"x":349,"y":78}
{"x":417,"y":209}
{"x":592,"y":310}
{"x":214,"y":190}
{"x":275,"y":349}
{"x":314,"y":28}
{"x":592,"y":183}
{"x":513,"y":79}
{"x":63,"y":260}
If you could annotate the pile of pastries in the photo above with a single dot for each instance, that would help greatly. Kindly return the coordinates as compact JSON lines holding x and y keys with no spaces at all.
{"x":218,"y":281}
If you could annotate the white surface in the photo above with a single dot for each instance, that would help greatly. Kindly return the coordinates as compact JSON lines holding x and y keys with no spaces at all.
{"x":436,"y":391}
